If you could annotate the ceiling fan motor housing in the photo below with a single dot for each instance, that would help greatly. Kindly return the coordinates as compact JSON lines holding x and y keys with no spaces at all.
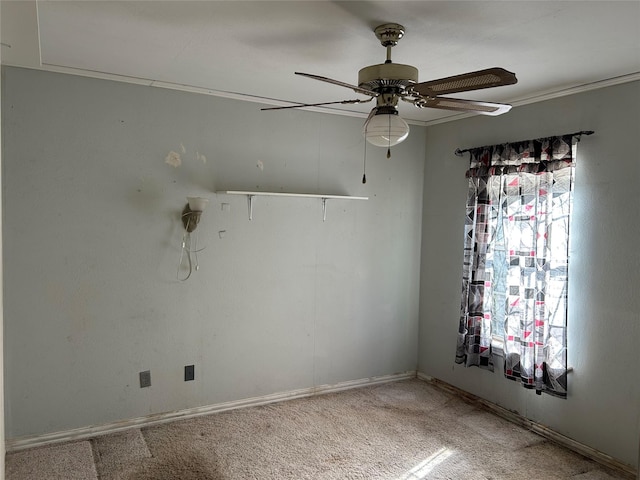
{"x":386,"y":75}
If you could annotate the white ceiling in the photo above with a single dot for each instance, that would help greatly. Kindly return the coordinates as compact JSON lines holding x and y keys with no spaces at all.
{"x":249,"y":49}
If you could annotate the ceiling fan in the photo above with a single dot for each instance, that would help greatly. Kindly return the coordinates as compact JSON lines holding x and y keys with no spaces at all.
{"x":391,"y":82}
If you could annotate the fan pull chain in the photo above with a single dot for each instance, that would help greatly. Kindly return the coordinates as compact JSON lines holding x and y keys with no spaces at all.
{"x":389,"y":133}
{"x":364,"y":164}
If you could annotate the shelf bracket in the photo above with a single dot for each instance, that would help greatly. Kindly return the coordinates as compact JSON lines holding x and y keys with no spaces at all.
{"x":250,"y":200}
{"x":324,"y":209}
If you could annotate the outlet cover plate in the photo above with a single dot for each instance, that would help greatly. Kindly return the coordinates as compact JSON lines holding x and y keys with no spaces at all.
{"x":145,"y":379}
{"x":189,"y":373}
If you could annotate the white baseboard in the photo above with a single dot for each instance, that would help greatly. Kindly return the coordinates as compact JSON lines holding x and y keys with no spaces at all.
{"x":84,"y":433}
{"x":538,"y":428}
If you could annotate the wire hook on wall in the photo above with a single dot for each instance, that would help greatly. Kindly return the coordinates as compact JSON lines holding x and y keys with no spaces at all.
{"x":191,"y":214}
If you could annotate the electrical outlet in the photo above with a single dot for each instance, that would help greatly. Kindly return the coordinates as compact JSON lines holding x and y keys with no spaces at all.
{"x":145,"y":379}
{"x":189,"y":373}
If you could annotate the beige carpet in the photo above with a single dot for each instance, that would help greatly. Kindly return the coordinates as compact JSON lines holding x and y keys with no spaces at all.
{"x":408,"y":430}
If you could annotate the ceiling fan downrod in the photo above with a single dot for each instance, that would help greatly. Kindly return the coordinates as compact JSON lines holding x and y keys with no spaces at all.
{"x":388,"y":76}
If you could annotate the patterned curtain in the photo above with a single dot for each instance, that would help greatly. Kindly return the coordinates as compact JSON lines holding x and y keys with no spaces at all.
{"x":514,"y":289}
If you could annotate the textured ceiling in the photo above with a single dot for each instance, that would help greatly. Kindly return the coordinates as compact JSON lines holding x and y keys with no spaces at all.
{"x":250,"y":49}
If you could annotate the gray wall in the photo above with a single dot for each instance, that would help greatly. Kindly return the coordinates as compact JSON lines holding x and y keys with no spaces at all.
{"x":92,"y":238}
{"x":602,"y":410}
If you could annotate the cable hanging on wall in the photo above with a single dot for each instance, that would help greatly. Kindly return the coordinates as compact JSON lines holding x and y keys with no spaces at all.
{"x":189,"y":250}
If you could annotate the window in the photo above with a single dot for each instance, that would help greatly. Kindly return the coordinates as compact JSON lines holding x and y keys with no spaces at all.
{"x":514,"y":289}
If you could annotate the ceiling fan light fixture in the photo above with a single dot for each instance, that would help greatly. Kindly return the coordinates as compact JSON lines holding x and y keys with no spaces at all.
{"x":386,"y":129}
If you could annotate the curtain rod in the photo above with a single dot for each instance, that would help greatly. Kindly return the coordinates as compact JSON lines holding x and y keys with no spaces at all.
{"x":459,"y":152}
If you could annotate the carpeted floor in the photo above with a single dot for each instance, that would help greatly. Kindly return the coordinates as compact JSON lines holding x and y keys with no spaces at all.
{"x":407,"y":430}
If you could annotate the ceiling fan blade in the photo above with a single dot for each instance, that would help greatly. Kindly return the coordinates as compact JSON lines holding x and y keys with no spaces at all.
{"x":490,"y":77}
{"x":355,"y":88}
{"x":469,"y":106}
{"x":344,"y":102}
